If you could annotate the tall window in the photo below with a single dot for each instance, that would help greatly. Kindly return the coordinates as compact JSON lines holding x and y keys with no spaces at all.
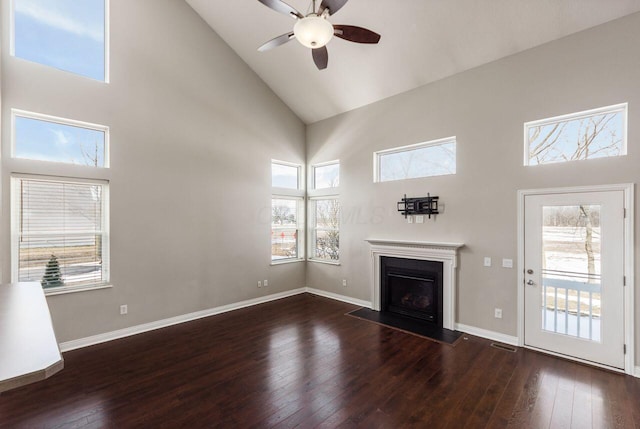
{"x":61,"y":231}
{"x":433,"y":158}
{"x":59,"y":225}
{"x":287,"y":212}
{"x":70,"y":35}
{"x":578,"y":136}
{"x":324,"y":211}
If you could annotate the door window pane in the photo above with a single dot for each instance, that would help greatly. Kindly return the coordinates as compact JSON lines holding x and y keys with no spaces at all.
{"x":571,"y":271}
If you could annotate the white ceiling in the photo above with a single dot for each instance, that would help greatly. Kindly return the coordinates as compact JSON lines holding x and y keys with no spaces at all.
{"x":422,"y":41}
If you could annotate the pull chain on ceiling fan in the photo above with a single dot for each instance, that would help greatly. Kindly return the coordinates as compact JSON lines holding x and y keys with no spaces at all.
{"x":315,"y":31}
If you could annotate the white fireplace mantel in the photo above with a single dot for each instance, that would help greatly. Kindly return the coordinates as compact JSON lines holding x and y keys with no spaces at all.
{"x":447,"y":253}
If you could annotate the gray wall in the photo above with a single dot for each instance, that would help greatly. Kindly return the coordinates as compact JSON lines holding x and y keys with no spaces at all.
{"x":485,"y":108}
{"x":193,"y":131}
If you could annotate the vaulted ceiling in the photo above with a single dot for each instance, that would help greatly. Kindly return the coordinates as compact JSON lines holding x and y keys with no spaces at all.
{"x":422,"y":41}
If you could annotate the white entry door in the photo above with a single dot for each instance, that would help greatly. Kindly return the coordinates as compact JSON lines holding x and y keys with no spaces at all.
{"x":574,"y":273}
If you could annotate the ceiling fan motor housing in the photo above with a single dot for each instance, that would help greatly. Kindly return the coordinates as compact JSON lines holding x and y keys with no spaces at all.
{"x":313,"y":31}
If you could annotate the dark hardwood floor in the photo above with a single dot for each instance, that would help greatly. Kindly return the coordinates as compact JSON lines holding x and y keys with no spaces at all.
{"x":300,"y":362}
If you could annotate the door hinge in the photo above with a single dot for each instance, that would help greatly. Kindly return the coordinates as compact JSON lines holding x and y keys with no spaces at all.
{"x":624,"y":348}
{"x":625,"y":213}
{"x":624,"y":280}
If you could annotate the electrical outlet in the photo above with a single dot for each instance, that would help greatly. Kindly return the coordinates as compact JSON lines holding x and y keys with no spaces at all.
{"x":265,"y":283}
{"x":507,"y":263}
{"x":419,"y":219}
{"x":124,"y":309}
{"x":409,"y":219}
{"x":344,"y":282}
{"x":487,"y":261}
{"x":497,"y":313}
{"x":259,"y":283}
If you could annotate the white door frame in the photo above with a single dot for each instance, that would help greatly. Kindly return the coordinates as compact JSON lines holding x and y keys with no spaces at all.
{"x":629,"y":261}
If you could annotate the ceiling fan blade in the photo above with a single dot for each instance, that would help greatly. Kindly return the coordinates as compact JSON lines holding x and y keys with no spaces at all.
{"x":320,"y":57}
{"x":332,"y":5}
{"x":282,"y":7}
{"x":356,"y":34}
{"x":275,"y":42}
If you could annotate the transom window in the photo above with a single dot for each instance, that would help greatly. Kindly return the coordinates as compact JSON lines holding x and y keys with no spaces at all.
{"x":47,"y":138}
{"x":69,"y":35}
{"x":326,"y":175}
{"x":578,"y":136}
{"x":285,"y":175}
{"x":433,"y":158}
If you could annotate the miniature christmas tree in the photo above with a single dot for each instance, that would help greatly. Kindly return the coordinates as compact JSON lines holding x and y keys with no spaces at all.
{"x":52,"y":275}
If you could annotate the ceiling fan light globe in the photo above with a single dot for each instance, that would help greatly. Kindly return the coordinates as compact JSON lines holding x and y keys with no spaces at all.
{"x":313,"y":31}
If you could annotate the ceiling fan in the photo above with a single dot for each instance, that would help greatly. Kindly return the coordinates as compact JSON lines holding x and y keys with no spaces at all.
{"x":315,"y":31}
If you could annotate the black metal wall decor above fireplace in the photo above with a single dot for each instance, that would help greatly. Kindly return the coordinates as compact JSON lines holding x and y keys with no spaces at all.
{"x":413,"y":288}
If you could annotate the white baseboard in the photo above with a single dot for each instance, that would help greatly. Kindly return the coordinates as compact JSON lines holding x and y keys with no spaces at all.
{"x":490,"y":335}
{"x":637,"y":373}
{"x":146,"y":327}
{"x":339,"y":297}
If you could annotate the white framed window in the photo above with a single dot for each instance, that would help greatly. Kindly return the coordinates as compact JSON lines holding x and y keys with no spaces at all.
{"x":596,"y":133}
{"x":60,"y":232}
{"x":325,"y":229}
{"x":287,"y":212}
{"x":324,"y":213}
{"x":69,"y":35}
{"x":48,"y":138}
{"x":286,"y":175}
{"x":326,"y":175}
{"x":432,"y":158}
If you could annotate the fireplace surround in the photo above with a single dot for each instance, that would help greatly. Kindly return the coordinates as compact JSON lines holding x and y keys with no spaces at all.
{"x":444,"y":253}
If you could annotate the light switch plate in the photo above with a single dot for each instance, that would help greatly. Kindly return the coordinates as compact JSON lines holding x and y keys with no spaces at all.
{"x":507,"y":263}
{"x":487,"y":261}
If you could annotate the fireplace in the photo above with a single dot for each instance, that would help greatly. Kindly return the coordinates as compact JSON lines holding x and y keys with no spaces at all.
{"x":444,"y":253}
{"x":413,"y":288}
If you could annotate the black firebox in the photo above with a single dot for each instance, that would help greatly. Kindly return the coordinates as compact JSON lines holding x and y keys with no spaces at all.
{"x":412,"y":288}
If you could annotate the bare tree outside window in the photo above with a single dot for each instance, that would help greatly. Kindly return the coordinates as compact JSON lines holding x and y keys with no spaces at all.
{"x":327,"y":229}
{"x":586,"y":136}
{"x":423,"y":160}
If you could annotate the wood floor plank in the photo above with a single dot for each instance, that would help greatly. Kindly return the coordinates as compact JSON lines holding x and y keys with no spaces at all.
{"x":300,"y":362}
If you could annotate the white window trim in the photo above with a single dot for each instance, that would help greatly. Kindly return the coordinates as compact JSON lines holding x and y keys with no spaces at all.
{"x":615,"y":108}
{"x":291,"y":194}
{"x":300,"y":227}
{"x":312,"y":229}
{"x":312,"y":191}
{"x":299,"y":192}
{"x":107,"y":42}
{"x":105,"y":232}
{"x":62,"y":121}
{"x":378,"y":154}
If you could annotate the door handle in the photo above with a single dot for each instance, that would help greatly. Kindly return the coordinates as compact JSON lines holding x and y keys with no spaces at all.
{"x":530,"y":283}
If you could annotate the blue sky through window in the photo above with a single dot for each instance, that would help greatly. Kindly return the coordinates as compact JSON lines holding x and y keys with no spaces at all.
{"x":65,"y":34}
{"x":50,"y":141}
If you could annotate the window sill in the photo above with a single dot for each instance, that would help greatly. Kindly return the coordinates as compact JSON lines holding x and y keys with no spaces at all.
{"x":73,"y":289}
{"x":321,"y":261}
{"x":285,"y":261}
